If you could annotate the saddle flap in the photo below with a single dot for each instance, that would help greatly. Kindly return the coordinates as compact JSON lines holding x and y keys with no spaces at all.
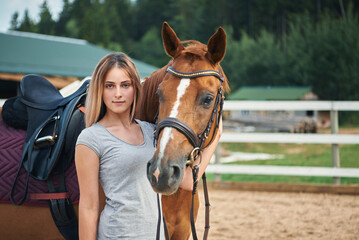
{"x":45,"y":150}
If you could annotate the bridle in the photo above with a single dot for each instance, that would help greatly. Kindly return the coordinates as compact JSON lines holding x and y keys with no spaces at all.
{"x":197,"y":141}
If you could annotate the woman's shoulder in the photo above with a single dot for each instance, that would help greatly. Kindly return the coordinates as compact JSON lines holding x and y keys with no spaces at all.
{"x":146,"y":125}
{"x":89,"y":132}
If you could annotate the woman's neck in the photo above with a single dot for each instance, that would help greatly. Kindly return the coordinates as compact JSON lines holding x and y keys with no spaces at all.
{"x":113,"y":120}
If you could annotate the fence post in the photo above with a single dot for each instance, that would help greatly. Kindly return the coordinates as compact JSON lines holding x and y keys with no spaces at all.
{"x":217,"y":154}
{"x":335,"y":147}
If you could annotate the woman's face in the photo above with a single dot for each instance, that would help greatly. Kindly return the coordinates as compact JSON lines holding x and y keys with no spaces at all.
{"x":118,"y":93}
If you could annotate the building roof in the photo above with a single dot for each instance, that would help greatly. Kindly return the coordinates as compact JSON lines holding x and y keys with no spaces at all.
{"x":24,"y":53}
{"x":270,"y":93}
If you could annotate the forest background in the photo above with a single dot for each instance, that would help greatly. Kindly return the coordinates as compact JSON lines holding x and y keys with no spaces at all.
{"x":270,"y":43}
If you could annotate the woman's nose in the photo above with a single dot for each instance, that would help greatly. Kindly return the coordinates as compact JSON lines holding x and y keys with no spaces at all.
{"x":118,"y":91}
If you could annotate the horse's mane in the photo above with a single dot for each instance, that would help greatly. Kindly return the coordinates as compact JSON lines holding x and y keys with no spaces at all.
{"x":149,"y":101}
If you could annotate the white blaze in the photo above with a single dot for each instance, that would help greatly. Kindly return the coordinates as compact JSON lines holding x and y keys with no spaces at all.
{"x":167,"y":131}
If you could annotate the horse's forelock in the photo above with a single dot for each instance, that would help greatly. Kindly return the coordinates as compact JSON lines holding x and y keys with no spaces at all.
{"x":196,"y":49}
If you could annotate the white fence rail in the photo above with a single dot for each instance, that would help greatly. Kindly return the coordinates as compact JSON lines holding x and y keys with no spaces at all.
{"x":290,"y":138}
{"x":334,"y":139}
{"x":292,"y":105}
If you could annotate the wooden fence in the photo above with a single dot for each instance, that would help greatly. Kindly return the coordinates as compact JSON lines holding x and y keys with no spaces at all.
{"x":334,"y":139}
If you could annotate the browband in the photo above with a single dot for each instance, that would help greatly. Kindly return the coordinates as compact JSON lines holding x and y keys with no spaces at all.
{"x":195,"y":74}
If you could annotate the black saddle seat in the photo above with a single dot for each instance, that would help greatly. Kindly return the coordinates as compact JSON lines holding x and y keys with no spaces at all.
{"x":37,"y":92}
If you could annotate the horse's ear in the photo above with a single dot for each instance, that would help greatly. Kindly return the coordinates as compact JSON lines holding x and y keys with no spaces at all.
{"x":171,"y":42}
{"x":217,"y":46}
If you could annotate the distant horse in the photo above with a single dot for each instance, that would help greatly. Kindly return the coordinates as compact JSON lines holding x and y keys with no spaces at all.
{"x":185,"y":96}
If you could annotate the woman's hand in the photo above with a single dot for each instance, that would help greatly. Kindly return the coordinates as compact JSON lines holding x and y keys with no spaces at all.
{"x":187,"y":181}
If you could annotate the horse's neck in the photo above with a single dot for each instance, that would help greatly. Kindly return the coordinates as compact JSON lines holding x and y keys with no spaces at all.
{"x":149,"y":99}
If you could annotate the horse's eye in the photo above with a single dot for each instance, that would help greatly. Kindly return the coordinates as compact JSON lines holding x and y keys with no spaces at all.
{"x":207,"y":100}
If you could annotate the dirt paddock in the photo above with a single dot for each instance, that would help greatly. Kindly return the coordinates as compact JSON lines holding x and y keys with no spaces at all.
{"x":251,"y":215}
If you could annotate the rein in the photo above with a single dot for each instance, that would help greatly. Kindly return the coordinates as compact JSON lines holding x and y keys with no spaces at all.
{"x":197,"y":141}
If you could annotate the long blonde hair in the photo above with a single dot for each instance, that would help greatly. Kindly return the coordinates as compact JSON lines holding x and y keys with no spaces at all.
{"x":95,"y":107}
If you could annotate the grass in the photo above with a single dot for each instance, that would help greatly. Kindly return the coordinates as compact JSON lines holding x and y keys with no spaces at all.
{"x":317,"y":155}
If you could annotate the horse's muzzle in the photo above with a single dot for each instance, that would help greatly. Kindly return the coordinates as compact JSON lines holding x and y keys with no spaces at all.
{"x":164,"y":180}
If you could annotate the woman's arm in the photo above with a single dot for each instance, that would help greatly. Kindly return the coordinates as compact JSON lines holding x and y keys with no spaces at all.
{"x":87,"y":166}
{"x":187,"y":181}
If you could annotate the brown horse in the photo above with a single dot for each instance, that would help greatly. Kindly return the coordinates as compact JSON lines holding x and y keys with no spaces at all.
{"x":190,"y":101}
{"x":29,"y":222}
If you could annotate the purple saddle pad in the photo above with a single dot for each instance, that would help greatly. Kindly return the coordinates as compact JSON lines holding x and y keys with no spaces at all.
{"x":11,"y":146}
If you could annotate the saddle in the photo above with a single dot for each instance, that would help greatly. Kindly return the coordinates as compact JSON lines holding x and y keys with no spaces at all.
{"x":53,"y":125}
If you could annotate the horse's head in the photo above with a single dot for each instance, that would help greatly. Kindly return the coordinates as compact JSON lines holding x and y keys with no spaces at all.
{"x":190,"y":103}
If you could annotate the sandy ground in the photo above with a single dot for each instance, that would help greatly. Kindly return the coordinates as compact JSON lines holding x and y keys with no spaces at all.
{"x":271,"y":215}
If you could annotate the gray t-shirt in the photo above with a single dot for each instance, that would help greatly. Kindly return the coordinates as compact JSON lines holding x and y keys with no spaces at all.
{"x":131,"y":210}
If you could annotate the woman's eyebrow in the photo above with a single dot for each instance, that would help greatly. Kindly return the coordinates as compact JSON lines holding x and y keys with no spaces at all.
{"x":124,"y":81}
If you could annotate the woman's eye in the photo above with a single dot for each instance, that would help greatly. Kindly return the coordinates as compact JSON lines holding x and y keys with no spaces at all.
{"x":207,"y":101}
{"x":126,"y":85}
{"x":109,"y":85}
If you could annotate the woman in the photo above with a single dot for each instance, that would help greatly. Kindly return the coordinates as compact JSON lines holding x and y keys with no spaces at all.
{"x":114,"y":150}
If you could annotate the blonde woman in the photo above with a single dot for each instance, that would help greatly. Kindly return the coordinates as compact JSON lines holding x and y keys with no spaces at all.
{"x":113,"y":151}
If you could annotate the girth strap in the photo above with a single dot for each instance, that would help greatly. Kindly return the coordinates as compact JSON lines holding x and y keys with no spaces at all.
{"x":62,"y":210}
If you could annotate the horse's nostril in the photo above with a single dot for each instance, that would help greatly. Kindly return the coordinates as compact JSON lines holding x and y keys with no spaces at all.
{"x":176,"y":173}
{"x":148,"y":166}
{"x":150,"y":176}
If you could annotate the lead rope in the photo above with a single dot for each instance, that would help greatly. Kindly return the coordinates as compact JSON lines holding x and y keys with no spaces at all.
{"x":207,"y":204}
{"x":193,"y":227}
{"x":159,"y":218}
{"x":158,"y":233}
{"x":195,"y":183}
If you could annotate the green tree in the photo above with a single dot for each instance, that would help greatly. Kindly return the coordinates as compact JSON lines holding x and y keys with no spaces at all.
{"x":149,"y":14}
{"x":94,"y":26}
{"x":184,"y":18}
{"x":79,"y":8}
{"x":250,"y":62}
{"x":118,"y":15}
{"x":64,"y":18}
{"x":150,"y":49}
{"x":46,"y":24}
{"x":27,"y":24}
{"x":210,"y":17}
{"x":331,"y":55}
{"x":14,"y":24}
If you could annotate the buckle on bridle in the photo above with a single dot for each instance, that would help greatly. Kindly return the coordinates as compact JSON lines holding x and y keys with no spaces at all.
{"x":193,"y":156}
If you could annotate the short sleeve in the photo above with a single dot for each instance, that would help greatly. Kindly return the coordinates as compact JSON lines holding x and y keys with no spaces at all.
{"x":88,"y":139}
